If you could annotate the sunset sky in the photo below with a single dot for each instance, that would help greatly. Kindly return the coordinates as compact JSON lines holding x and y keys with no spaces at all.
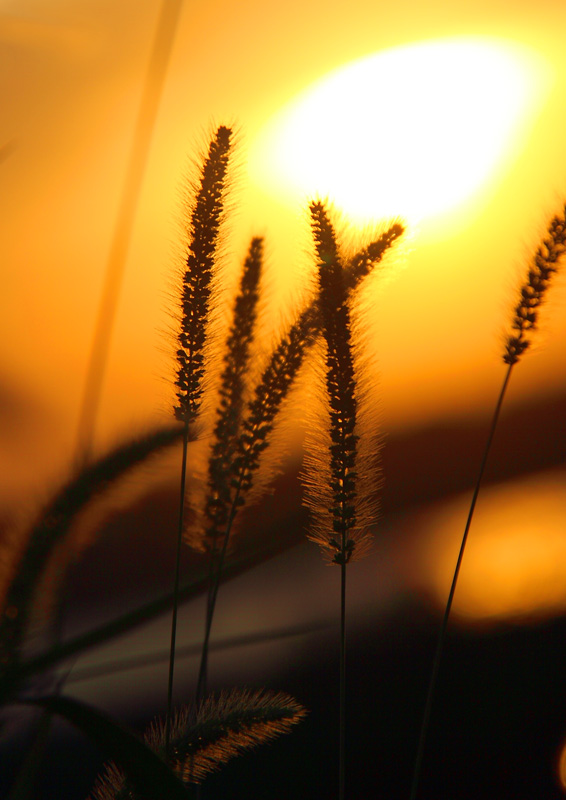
{"x":72,"y":79}
{"x":289,"y":79}
{"x":450,"y":116}
{"x":462,"y":116}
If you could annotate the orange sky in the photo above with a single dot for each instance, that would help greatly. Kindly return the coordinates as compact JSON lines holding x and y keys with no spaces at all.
{"x":71,"y":83}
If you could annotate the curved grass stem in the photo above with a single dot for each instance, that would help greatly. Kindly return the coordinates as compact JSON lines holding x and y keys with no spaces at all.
{"x":444,"y":625}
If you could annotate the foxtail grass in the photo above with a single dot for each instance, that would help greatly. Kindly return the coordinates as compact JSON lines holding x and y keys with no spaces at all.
{"x":235,"y":459}
{"x":204,"y":737}
{"x":336,"y":525}
{"x":285,"y":362}
{"x":205,"y":218}
{"x":220,"y":506}
{"x":239,"y":442}
{"x":543,"y":265}
{"x":231,"y":394}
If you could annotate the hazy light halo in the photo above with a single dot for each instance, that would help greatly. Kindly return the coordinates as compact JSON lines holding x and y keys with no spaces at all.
{"x":445,"y":114}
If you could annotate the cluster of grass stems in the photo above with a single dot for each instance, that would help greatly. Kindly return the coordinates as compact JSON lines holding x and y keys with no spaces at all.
{"x":180,"y":750}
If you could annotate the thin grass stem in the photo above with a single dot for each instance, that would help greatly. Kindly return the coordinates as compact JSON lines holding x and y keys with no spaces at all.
{"x":444,"y":625}
{"x":542,"y":266}
{"x":211,"y":605}
{"x":342,"y":754}
{"x":176,"y":586}
{"x":342,"y":405}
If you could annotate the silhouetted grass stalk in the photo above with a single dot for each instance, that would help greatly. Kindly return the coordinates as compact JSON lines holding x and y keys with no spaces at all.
{"x":176,"y":581}
{"x":342,"y":711}
{"x":222,"y":499}
{"x":270,"y":392}
{"x":448,"y":609}
{"x":533,"y":290}
{"x":206,"y":736}
{"x":210,"y":608}
{"x":341,"y":393}
{"x":206,"y":215}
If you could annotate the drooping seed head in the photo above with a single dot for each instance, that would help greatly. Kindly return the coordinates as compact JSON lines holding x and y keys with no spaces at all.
{"x":204,"y":739}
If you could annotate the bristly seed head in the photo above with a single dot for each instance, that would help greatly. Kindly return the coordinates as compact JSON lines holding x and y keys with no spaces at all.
{"x":285,"y":363}
{"x":203,"y":241}
{"x":204,"y":739}
{"x":269,"y":395}
{"x":543,"y":266}
{"x":232,"y":385}
{"x":366,"y":259}
{"x":340,"y":385}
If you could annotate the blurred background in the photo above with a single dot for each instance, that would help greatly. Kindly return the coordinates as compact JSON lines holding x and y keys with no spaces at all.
{"x":452,"y":118}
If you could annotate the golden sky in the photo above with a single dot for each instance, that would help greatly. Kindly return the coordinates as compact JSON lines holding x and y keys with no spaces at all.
{"x":72,"y":76}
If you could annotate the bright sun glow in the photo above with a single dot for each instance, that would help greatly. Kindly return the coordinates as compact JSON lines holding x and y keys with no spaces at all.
{"x":412,"y":131}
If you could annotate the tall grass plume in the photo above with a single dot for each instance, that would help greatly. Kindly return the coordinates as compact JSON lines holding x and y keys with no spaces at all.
{"x":335,"y":502}
{"x":206,"y":214}
{"x":221,"y":498}
{"x":542,"y":267}
{"x":204,"y":738}
{"x":227,"y":430}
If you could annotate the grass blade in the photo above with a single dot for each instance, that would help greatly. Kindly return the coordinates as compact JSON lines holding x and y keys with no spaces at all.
{"x":152,"y":89}
{"x":53,"y":526}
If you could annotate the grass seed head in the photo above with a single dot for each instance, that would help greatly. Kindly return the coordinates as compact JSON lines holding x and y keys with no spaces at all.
{"x":204,"y":225}
{"x":340,"y":385}
{"x":543,"y":266}
{"x":221,"y":493}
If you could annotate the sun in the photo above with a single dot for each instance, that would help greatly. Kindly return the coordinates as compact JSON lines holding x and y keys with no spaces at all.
{"x":412,"y":131}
